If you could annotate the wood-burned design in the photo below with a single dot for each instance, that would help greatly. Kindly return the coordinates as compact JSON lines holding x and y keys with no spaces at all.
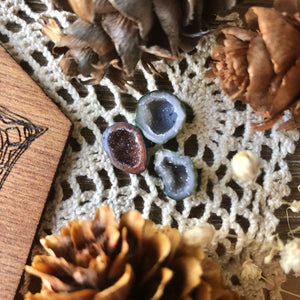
{"x":16,"y":135}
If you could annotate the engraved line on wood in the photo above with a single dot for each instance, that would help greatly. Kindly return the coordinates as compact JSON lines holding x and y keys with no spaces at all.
{"x":16,"y":135}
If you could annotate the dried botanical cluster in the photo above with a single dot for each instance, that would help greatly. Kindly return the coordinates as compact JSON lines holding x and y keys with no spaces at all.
{"x":260,"y":64}
{"x":245,"y":165}
{"x":130,"y":260}
{"x":290,"y":257}
{"x":109,"y":37}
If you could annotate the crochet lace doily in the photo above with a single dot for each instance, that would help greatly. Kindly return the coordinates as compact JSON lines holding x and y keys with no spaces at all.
{"x":216,"y":128}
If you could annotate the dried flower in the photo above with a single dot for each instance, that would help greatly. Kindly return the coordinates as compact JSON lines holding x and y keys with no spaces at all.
{"x":245,"y":166}
{"x":290,"y":257}
{"x":260,"y":64}
{"x":276,"y":246}
{"x":130,"y":260}
{"x":199,"y":236}
{"x":250,"y":271}
{"x":269,"y":257}
{"x":295,"y":206}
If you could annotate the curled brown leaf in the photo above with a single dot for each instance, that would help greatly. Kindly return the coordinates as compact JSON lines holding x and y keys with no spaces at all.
{"x":277,"y":34}
{"x":169,"y":15}
{"x":139,"y":11}
{"x":83,"y":9}
{"x":124,"y":34}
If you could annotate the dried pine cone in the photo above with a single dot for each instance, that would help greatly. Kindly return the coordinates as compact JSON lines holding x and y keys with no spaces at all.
{"x":130,"y":260}
{"x":260,"y":64}
{"x":109,"y":37}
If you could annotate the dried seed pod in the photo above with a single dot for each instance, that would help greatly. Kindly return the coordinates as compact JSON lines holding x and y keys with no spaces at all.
{"x":290,"y":257}
{"x":202,"y":235}
{"x":250,"y":271}
{"x":245,"y":166}
{"x":132,"y":259}
{"x":260,"y":64}
{"x":117,"y":34}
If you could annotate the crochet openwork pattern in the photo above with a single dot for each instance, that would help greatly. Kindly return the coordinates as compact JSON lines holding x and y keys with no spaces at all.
{"x":216,"y":128}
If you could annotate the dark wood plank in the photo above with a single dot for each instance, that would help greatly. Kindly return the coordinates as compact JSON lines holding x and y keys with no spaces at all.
{"x":33,"y":133}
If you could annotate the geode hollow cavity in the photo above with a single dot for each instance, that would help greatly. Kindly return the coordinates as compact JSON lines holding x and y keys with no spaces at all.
{"x":160,"y":115}
{"x":125,"y":147}
{"x":177,"y":173}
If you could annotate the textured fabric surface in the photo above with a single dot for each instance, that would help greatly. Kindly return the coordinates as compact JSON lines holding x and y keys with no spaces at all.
{"x":216,"y":128}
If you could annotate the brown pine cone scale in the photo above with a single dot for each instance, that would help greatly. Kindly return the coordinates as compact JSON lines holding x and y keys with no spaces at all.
{"x":110,"y":37}
{"x":102,"y":259}
{"x":260,"y":64}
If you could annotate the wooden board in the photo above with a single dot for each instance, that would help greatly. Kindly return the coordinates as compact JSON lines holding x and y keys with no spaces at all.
{"x":33,"y":133}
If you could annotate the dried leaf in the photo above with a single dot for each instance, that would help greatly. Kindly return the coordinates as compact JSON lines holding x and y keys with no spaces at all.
{"x":187,"y":42}
{"x":158,"y":51}
{"x":188,"y":8}
{"x":277,"y":34}
{"x":134,"y":223}
{"x":266,"y":124}
{"x":159,"y":246}
{"x":105,"y":224}
{"x":203,"y":292}
{"x":213,"y":7}
{"x":294,"y":122}
{"x":118,"y":265}
{"x":139,"y":11}
{"x":120,"y":289}
{"x":86,"y":294}
{"x":175,"y":239}
{"x":124,"y":34}
{"x":82,"y":235}
{"x":51,"y":29}
{"x":59,"y":245}
{"x":235,"y":52}
{"x":118,"y":77}
{"x":160,"y":28}
{"x":103,"y":7}
{"x":82,"y":34}
{"x":102,"y":68}
{"x":157,"y":42}
{"x":62,"y":4}
{"x":242,"y":34}
{"x":230,"y":64}
{"x":191,"y":251}
{"x":87,"y":277}
{"x":53,"y":272}
{"x":83,"y":9}
{"x":168,"y":13}
{"x":288,"y":90}
{"x":187,"y":275}
{"x":211,"y":272}
{"x":165,"y":276}
{"x":260,"y":70}
{"x":85,"y":59}
{"x":69,"y":65}
{"x":290,"y":7}
{"x":149,"y":229}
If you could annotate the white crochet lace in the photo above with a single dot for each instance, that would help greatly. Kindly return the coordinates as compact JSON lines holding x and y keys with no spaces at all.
{"x":219,"y":127}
